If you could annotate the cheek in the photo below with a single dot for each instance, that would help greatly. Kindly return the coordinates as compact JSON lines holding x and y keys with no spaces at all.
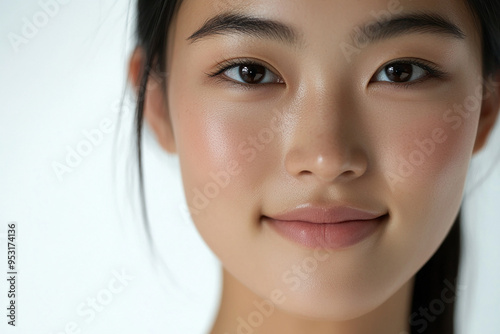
{"x":425,"y":167}
{"x":208,"y":151}
{"x":429,"y":149}
{"x":214,"y":138}
{"x":224,"y":150}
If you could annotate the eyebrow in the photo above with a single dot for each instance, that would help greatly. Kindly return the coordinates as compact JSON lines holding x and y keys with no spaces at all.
{"x":410,"y":23}
{"x":233,"y":23}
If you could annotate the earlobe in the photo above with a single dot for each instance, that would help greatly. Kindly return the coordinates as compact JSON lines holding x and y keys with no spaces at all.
{"x":489,"y":111}
{"x":156,"y":113}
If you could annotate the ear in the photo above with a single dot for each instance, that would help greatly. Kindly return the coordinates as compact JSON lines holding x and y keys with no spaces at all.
{"x":489,"y":110}
{"x":156,"y":112}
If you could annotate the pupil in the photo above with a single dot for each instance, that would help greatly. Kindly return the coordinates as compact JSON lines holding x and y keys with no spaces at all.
{"x":399,"y":72}
{"x":252,"y":73}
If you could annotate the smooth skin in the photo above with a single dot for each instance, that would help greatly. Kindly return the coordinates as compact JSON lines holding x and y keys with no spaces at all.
{"x":324,"y":129}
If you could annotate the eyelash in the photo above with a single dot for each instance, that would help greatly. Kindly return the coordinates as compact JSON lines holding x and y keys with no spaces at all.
{"x":225,"y":65}
{"x":433,"y":72}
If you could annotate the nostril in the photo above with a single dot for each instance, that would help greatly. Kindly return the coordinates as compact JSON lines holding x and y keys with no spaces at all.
{"x":326,"y":162}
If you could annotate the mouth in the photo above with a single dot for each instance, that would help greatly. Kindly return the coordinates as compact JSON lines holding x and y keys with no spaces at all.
{"x":329,"y":228}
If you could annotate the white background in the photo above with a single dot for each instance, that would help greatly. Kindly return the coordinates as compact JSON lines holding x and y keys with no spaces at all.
{"x":76,"y":232}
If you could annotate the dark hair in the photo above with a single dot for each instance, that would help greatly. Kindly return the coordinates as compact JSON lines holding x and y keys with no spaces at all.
{"x":440,"y":273}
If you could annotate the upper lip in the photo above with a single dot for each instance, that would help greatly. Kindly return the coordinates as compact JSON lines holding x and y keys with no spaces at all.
{"x":326,"y":214}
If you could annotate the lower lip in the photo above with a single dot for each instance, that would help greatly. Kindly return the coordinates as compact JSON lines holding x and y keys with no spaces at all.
{"x":326,"y":235}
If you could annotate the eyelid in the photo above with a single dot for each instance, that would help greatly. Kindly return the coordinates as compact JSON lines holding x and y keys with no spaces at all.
{"x":228,"y":64}
{"x":434,"y":72}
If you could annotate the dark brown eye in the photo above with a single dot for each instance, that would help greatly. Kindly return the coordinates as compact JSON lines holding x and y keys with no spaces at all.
{"x":399,"y":72}
{"x":252,"y":74}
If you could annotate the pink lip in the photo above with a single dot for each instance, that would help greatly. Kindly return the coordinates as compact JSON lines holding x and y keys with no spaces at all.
{"x":326,"y":227}
{"x":325,"y":215}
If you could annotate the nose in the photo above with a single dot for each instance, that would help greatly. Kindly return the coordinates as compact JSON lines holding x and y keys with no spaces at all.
{"x":324,"y":144}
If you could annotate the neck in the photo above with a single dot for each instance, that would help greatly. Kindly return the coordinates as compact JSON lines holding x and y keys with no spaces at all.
{"x":237,"y":305}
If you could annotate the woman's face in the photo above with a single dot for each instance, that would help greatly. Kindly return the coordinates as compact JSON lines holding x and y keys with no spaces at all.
{"x":324,"y":114}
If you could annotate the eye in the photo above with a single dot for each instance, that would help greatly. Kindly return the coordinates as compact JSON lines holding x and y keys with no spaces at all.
{"x":247,"y":72}
{"x":406,"y":71}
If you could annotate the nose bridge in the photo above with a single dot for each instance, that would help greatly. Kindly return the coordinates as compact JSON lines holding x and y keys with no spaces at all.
{"x":322,"y":142}
{"x":319,"y":123}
